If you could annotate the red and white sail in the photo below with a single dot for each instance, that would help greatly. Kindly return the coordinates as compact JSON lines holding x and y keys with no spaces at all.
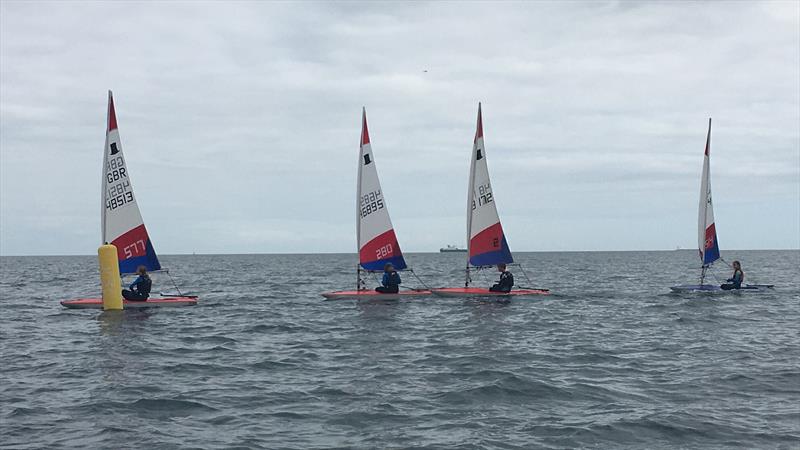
{"x":707,"y":232}
{"x":486,"y":241}
{"x":377,"y":242}
{"x":122,"y":223}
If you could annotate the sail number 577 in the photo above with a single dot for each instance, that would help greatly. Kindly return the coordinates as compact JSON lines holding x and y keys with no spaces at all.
{"x":135,"y":249}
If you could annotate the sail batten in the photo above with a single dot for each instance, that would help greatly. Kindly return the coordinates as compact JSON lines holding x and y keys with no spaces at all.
{"x":377,"y":242}
{"x":486,"y":240}
{"x":707,"y":242}
{"x":121,"y":219}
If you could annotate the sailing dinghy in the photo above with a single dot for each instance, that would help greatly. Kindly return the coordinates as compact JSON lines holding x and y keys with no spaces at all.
{"x":487,"y":245}
{"x":122,"y":223}
{"x":707,"y":243}
{"x":377,"y":242}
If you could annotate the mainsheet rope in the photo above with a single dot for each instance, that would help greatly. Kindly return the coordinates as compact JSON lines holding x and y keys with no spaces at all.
{"x":375,"y":276}
{"x":522,"y":269}
{"x":173,"y":282}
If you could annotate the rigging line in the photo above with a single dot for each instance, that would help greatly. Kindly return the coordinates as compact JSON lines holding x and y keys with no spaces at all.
{"x":714,"y":276}
{"x":173,"y":282}
{"x":525,"y":275}
{"x":418,"y":279}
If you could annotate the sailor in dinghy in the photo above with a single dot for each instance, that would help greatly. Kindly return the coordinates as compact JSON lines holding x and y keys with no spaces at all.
{"x":122,"y":226}
{"x":707,"y":243}
{"x":378,"y":249}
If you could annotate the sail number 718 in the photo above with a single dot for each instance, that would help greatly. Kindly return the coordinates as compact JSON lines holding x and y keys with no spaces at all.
{"x":484,"y":195}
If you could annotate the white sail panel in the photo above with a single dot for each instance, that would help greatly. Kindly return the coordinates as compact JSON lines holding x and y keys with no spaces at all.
{"x":707,"y":233}
{"x":122,"y":222}
{"x":377,"y":242}
{"x":485,"y":237}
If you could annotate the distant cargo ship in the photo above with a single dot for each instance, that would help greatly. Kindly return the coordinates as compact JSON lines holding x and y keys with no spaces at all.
{"x":452,"y":249}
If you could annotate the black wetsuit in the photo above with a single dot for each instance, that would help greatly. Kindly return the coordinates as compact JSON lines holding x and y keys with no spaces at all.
{"x":735,"y":282}
{"x":391,"y":283}
{"x":139,"y":289}
{"x":505,"y":284}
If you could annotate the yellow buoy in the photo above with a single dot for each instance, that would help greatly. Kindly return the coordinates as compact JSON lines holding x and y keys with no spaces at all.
{"x":109,"y":277}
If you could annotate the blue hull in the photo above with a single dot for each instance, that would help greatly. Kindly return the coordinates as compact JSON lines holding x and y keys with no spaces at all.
{"x":715,"y":288}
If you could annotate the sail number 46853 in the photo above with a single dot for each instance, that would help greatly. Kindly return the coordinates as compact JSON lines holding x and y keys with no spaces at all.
{"x":370,"y":203}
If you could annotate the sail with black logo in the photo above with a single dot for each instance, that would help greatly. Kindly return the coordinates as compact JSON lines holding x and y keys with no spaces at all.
{"x":375,"y":236}
{"x":486,"y":242}
{"x":122,"y":223}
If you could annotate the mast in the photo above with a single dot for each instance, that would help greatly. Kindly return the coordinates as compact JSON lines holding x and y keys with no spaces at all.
{"x":103,"y":171}
{"x":471,"y":192}
{"x":364,"y":136}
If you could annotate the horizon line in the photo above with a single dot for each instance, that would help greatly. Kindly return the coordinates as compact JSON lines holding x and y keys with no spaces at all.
{"x":414,"y":252}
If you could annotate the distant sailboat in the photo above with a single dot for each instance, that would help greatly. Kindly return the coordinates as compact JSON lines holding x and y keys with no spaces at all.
{"x":377,"y":242}
{"x":121,"y":222}
{"x":486,"y":242}
{"x":707,"y":243}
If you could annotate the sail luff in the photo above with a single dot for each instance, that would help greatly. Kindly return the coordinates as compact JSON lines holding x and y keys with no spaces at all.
{"x":471,"y":187}
{"x":103,"y":239}
{"x":363,"y":138}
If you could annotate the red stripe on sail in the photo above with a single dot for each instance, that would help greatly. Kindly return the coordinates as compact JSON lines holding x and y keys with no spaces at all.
{"x":711,"y":236}
{"x":132,"y":244}
{"x":112,"y":115}
{"x":364,"y":130}
{"x":488,"y":240}
{"x":383,"y":246}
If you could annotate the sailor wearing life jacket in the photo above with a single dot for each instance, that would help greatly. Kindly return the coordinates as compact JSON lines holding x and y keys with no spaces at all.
{"x":390,"y":282}
{"x":735,"y":282}
{"x":506,"y":280}
{"x":140,"y":288}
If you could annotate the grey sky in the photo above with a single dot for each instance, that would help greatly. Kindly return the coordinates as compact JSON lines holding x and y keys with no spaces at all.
{"x":240,"y":121}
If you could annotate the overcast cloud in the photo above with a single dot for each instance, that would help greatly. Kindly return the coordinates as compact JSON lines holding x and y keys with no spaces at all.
{"x":240,"y":121}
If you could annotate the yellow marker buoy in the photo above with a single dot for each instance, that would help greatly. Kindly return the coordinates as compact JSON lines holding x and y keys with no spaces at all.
{"x":109,"y":277}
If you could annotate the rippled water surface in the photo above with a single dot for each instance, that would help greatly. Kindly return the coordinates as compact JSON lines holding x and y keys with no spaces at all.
{"x":610,"y":360}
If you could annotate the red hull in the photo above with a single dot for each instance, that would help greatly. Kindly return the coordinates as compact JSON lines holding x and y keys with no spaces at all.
{"x":483,"y":292}
{"x":372,"y":295}
{"x":97,"y":303}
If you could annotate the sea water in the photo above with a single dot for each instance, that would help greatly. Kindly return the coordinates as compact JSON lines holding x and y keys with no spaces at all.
{"x":611,"y":359}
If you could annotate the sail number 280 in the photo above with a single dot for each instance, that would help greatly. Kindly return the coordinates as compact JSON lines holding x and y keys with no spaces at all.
{"x":384,"y":251}
{"x":369,"y":203}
